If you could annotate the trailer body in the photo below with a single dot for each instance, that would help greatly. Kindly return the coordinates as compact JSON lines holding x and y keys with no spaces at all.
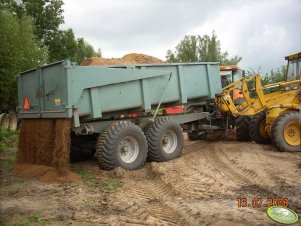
{"x":115,"y":109}
{"x":64,"y":90}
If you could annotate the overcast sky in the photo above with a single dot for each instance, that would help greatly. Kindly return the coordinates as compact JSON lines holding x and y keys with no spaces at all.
{"x":260,"y":31}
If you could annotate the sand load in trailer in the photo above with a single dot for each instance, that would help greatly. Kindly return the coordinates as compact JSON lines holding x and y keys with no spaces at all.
{"x":98,"y":99}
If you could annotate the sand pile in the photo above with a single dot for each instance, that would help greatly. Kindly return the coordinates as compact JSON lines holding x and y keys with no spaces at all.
{"x":45,"y":142}
{"x":132,"y":58}
{"x":45,"y":174}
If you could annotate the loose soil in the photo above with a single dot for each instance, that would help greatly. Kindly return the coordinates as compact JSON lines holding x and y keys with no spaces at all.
{"x":45,"y":174}
{"x":44,"y":142}
{"x":132,"y":58}
{"x":199,"y":188}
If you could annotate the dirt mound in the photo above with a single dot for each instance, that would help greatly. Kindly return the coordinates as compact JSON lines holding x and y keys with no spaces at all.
{"x":136,"y":58}
{"x":100,"y":61}
{"x":132,"y":58}
{"x":45,"y":174}
{"x":45,"y":142}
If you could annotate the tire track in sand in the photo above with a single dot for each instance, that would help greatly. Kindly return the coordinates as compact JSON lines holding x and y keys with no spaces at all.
{"x":149,"y":193}
{"x":190,"y":175}
{"x":230,"y":168}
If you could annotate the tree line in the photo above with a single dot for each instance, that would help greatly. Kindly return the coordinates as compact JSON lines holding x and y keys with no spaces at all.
{"x":197,"y":48}
{"x":30,"y":36}
{"x":207,"y":48}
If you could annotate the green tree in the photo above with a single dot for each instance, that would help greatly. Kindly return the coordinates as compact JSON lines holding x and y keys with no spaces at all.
{"x":201,"y":49}
{"x":85,"y":50}
{"x":47,"y":17}
{"x":66,"y":46}
{"x":63,"y":46}
{"x":275,"y":76}
{"x":19,"y":51}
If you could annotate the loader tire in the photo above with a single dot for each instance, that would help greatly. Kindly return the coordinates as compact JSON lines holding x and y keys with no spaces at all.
{"x":121,"y":144}
{"x":242,"y":128}
{"x":286,"y":131}
{"x":257,"y":129}
{"x":165,"y":139}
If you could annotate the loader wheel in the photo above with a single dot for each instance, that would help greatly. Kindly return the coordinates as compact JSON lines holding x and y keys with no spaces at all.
{"x":165,"y":139}
{"x":257,"y":129}
{"x":286,"y":131}
{"x":242,"y":128}
{"x":121,"y":144}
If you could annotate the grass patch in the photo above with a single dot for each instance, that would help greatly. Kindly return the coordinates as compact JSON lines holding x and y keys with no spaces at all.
{"x":8,"y":162}
{"x":8,"y":148}
{"x":85,"y":175}
{"x":37,"y":220}
{"x":113,"y":185}
{"x":7,"y":139}
{"x":86,"y":202}
{"x":18,"y":179}
{"x":34,"y":220}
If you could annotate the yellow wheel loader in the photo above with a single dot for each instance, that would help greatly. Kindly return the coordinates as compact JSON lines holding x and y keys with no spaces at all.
{"x":267,"y":117}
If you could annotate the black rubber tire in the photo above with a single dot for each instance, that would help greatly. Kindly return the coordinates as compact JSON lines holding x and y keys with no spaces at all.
{"x":278,"y":131}
{"x":242,"y":128}
{"x":107,"y":151}
{"x":254,"y":130}
{"x":154,"y":133}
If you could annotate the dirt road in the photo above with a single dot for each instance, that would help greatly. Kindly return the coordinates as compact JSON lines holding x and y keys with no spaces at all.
{"x":200,"y":188}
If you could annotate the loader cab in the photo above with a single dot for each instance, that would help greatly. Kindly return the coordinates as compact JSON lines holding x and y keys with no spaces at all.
{"x":231,"y":73}
{"x":293,"y":69}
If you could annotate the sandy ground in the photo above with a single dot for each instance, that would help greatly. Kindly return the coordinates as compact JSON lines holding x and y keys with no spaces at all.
{"x":200,"y":188}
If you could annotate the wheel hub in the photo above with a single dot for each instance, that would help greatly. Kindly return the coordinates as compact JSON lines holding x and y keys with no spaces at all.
{"x":262,"y":129}
{"x":128,"y":149}
{"x":292,"y":133}
{"x":169,"y":141}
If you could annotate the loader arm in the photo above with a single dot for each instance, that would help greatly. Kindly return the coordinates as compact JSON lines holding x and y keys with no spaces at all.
{"x":251,"y":106}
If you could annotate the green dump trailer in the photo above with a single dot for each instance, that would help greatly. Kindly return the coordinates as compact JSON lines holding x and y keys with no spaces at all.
{"x":101,"y":100}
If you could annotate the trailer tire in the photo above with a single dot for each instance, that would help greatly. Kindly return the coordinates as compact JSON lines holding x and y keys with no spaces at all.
{"x":286,"y":131}
{"x":121,"y":144}
{"x":242,"y":128}
{"x":257,"y":129}
{"x":165,"y":139}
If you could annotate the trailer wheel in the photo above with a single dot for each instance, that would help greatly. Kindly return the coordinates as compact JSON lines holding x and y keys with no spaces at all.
{"x":286,"y":131}
{"x":165,"y":139}
{"x":242,"y":128}
{"x":257,"y":129}
{"x":121,"y":144}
